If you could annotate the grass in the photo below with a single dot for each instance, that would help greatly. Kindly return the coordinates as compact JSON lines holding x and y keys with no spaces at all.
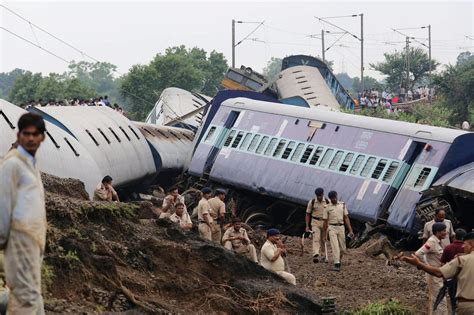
{"x":47,"y":276}
{"x":390,"y":307}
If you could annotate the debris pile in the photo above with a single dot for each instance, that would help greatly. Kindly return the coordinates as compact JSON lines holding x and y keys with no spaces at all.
{"x":110,"y":257}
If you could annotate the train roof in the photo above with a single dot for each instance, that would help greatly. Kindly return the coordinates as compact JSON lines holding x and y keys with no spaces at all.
{"x":377,"y":124}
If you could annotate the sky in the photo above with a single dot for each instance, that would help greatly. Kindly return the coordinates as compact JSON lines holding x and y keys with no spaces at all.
{"x":126,"y":33}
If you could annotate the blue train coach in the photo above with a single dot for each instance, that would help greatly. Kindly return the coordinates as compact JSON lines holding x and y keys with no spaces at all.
{"x":379,"y":167}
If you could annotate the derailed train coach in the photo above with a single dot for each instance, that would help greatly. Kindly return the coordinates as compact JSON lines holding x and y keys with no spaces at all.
{"x":380,"y":168}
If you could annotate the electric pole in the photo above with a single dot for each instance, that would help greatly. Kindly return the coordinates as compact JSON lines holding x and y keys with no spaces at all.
{"x":324,"y":49}
{"x":408,"y":62}
{"x":362,"y":53}
{"x":233,"y":43}
{"x":429,"y":49}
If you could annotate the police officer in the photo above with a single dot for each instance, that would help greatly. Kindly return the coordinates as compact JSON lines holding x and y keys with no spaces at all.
{"x":314,"y":214}
{"x":335,"y":215}
{"x":204,"y":218}
{"x":217,"y":213}
{"x":432,"y":251}
{"x":462,"y":267}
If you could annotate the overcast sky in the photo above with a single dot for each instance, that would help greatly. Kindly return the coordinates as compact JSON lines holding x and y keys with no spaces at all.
{"x":127,"y":33}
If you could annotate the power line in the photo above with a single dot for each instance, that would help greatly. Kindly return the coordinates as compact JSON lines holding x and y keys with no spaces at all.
{"x":249,"y":34}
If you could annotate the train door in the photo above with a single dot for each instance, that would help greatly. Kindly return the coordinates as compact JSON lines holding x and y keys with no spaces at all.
{"x":211,"y":157}
{"x":402,"y":207}
{"x":399,"y":181}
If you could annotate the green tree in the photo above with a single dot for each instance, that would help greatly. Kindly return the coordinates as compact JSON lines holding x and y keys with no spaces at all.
{"x":345,"y":80}
{"x":51,"y":88}
{"x":24,"y":88}
{"x":464,"y":58}
{"x":455,"y":90}
{"x":272,"y":69}
{"x":394,"y":67}
{"x":189,"y":69}
{"x":7,"y":79}
{"x":74,"y":88}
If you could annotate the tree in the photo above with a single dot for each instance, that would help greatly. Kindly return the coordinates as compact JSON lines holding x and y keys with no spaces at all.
{"x":7,"y":79}
{"x":394,"y":67}
{"x":24,"y":88}
{"x":51,"y":88}
{"x":464,"y":58}
{"x":369,"y":84}
{"x":189,"y":69}
{"x":455,"y":90}
{"x":345,"y":80}
{"x":272,"y":69}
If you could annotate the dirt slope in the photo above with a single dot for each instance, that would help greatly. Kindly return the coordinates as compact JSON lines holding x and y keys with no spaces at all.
{"x":103,"y":257}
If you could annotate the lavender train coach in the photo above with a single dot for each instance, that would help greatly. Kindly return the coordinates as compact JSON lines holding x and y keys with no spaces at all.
{"x":380,"y":168}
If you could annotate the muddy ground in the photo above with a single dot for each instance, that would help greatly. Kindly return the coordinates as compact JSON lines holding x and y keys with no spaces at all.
{"x":111,"y":257}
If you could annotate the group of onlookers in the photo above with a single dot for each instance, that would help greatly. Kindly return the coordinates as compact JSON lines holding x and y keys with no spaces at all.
{"x":386,"y":99}
{"x":97,"y":101}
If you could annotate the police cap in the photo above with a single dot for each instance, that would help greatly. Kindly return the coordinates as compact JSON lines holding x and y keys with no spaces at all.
{"x":438,"y":227}
{"x":272,"y":232}
{"x":332,"y":194}
{"x":206,"y":190}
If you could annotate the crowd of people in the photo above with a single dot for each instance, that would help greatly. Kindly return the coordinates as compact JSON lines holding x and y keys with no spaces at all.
{"x":97,"y":101}
{"x":387,"y":99}
{"x":448,"y":263}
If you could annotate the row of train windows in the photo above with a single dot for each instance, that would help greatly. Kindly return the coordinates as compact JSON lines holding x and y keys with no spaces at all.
{"x":333,"y":159}
{"x":113,"y":132}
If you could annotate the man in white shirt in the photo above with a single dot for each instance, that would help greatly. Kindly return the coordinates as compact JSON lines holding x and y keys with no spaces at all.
{"x":271,"y":256}
{"x":440,"y":216}
{"x":181,"y":216}
{"x":23,"y":218}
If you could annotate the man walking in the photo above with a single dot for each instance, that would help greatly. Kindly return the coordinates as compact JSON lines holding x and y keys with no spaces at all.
{"x":335,"y":215}
{"x":314,"y":214}
{"x":204,"y":218}
{"x":23,"y":218}
{"x":217,"y":213}
{"x":440,"y":216}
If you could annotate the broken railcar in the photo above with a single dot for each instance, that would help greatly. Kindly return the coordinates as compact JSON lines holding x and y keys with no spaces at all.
{"x":379,"y":167}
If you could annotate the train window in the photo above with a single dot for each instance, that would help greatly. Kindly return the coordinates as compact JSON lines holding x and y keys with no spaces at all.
{"x":336,"y":159}
{"x":103,"y":135}
{"x":271,"y":146}
{"x":126,"y":135}
{"x":210,"y":134}
{"x":262,"y":145}
{"x":307,"y":153}
{"x":92,"y":137}
{"x":367,"y":167}
{"x":347,"y":161}
{"x":357,"y":164}
{"x":162,"y":133}
{"x":70,"y":145}
{"x":288,"y":150}
{"x":148,"y":131}
{"x":229,"y":138}
{"x":246,"y":141}
{"x":234,"y":76}
{"x":379,"y":169}
{"x":420,"y":181}
{"x":7,"y":120}
{"x":115,"y":135}
{"x":52,"y":139}
{"x":133,"y":131}
{"x":326,"y":157}
{"x":253,"y":143}
{"x":316,"y":156}
{"x":297,"y":153}
{"x":279,"y":148}
{"x":391,"y":171}
{"x":253,"y":85}
{"x":237,"y":139}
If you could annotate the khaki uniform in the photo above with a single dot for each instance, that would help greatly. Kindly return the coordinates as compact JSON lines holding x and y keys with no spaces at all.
{"x":463,"y":266}
{"x":427,"y":231}
{"x":167,"y":208}
{"x":316,"y":209}
{"x":237,"y":245}
{"x":184,"y":220}
{"x":3,"y":289}
{"x":335,"y":216}
{"x":432,"y":251}
{"x":204,"y":230}
{"x":277,"y":266}
{"x":217,"y":210}
{"x":102,"y":193}
{"x":23,"y":227}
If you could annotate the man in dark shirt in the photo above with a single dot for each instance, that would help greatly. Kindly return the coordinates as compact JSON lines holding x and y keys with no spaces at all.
{"x":452,"y":250}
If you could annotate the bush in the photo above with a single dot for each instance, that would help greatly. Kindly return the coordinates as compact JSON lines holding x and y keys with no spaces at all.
{"x":390,"y":307}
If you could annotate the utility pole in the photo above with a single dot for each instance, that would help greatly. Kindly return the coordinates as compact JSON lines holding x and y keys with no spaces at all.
{"x":233,"y":43}
{"x":429,"y":49}
{"x":323,"y":48}
{"x":362,"y":53}
{"x":408,"y":63}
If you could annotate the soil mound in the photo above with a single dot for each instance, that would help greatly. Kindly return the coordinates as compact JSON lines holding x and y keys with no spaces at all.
{"x":108,"y":257}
